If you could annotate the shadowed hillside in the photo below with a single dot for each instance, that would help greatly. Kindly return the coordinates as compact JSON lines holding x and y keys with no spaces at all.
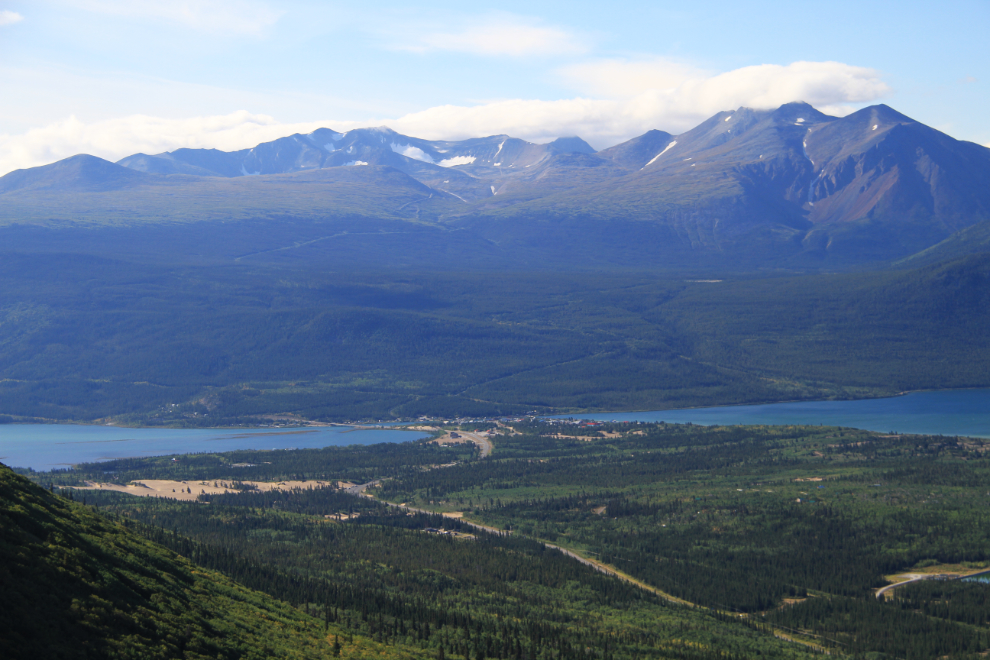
{"x":76,"y":585}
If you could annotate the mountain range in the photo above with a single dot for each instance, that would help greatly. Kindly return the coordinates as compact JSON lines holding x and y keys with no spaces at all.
{"x":784,"y":188}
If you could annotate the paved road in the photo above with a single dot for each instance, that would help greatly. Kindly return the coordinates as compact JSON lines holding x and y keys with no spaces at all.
{"x":930,"y":576}
{"x":482,"y":441}
{"x":881,"y":592}
{"x":359,"y":489}
{"x":484,"y":444}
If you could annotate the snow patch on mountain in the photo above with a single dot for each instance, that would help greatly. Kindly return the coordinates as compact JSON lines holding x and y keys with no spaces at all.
{"x":456,"y":160}
{"x":659,"y":154}
{"x":804,"y":149}
{"x":355,"y":162}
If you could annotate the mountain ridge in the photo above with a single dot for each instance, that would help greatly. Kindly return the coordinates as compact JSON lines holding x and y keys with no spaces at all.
{"x":788,"y":187}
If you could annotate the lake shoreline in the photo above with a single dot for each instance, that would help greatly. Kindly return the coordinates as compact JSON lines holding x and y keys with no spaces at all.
{"x":957,"y":412}
{"x":44,"y":447}
{"x":376,"y":424}
{"x":765,"y":403}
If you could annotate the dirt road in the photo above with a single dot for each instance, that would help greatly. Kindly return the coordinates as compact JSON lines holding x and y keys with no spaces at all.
{"x":359,"y":491}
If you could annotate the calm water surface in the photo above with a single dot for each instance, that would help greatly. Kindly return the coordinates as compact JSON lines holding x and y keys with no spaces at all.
{"x":946,"y":412}
{"x":47,"y":446}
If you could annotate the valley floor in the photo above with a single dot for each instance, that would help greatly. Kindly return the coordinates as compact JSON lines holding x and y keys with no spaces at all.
{"x":633,"y":539}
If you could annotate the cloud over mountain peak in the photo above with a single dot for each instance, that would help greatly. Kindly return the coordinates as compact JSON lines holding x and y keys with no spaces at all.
{"x":637,"y":105}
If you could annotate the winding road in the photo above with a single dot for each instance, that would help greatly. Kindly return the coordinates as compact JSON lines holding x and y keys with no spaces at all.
{"x":486,"y":446}
{"x":918,"y":577}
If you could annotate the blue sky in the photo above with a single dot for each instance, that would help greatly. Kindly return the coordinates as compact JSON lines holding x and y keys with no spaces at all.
{"x":113,"y":77}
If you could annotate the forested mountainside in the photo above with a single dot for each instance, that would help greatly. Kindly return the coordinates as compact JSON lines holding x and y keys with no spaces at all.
{"x":88,"y":338}
{"x":79,"y":585}
{"x":764,"y":255}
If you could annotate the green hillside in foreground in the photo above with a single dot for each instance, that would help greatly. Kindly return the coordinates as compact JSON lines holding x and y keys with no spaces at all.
{"x":76,"y":585}
{"x":778,"y":536}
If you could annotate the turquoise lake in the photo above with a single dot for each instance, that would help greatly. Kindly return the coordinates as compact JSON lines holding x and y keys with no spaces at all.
{"x":48,"y":446}
{"x":945,"y":412}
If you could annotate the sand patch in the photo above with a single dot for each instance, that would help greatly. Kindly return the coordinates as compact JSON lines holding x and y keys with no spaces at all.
{"x":190,"y":490}
{"x":448,"y":440}
{"x":956,"y":570}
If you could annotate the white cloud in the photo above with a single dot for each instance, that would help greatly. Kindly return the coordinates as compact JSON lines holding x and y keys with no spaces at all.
{"x":500,"y":34}
{"x":250,"y":17}
{"x":116,"y":138}
{"x":830,"y":86}
{"x":410,"y":151}
{"x":683,"y":94}
{"x":528,"y":119}
{"x":8,"y":17}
